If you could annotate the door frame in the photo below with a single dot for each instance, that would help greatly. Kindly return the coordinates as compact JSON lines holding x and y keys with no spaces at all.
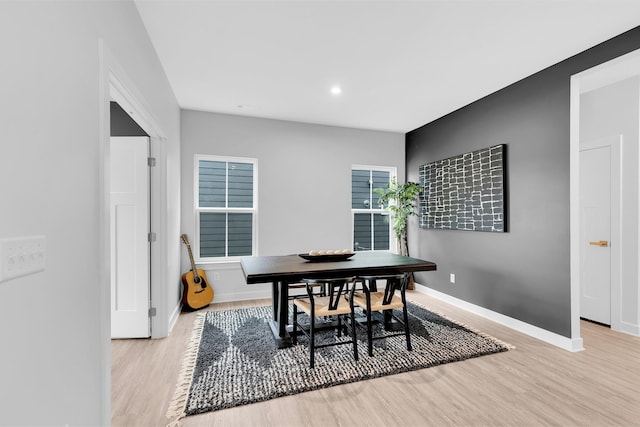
{"x":615,"y":142}
{"x":122,"y":91}
{"x":115,"y":85}
{"x":612,"y":71}
{"x":121,"y":94}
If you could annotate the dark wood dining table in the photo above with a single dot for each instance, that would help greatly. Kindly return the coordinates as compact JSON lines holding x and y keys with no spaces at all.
{"x":282,"y":271}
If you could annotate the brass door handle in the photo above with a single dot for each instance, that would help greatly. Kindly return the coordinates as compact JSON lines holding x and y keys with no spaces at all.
{"x":601,"y":243}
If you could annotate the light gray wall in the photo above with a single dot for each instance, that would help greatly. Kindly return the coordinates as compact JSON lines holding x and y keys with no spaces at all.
{"x":53,"y":368}
{"x":610,"y":111}
{"x":304,"y":182}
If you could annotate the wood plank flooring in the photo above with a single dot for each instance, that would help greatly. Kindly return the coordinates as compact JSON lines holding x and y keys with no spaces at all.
{"x":534,"y":385}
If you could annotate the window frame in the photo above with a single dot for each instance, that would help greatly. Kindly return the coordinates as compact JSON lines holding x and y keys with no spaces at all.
{"x":393,"y":171}
{"x":198,"y":210}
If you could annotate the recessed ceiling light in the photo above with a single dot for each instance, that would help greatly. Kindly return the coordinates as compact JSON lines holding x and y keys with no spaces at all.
{"x":336,"y":90}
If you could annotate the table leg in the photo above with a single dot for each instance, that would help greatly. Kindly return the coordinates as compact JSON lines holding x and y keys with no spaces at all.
{"x":283,"y":318}
{"x":280,"y":315}
{"x":275,"y":299}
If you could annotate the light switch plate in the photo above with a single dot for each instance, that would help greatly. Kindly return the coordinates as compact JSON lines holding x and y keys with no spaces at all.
{"x":20,"y":256}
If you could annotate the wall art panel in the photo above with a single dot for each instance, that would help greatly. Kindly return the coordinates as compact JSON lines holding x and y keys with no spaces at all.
{"x":464,"y":192}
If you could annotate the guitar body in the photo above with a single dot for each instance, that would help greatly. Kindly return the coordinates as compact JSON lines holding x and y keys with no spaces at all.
{"x":197,"y":291}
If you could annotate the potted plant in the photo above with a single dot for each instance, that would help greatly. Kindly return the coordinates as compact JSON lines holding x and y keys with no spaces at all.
{"x":399,"y":200}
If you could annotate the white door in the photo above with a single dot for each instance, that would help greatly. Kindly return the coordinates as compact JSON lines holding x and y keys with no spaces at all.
{"x":130,"y":258}
{"x":595,"y":235}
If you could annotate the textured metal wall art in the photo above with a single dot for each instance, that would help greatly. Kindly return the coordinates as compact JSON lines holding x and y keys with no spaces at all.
{"x":464,"y":192}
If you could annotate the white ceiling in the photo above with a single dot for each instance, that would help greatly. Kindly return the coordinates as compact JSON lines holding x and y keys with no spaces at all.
{"x":401,"y":64}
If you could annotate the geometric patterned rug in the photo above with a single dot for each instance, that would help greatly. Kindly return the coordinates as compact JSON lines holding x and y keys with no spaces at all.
{"x":232,"y":359}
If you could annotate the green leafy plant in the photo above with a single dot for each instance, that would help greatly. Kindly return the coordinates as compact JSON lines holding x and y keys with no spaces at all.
{"x":399,"y":201}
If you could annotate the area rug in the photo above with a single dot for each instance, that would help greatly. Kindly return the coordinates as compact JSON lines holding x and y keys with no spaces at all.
{"x":232,"y":359}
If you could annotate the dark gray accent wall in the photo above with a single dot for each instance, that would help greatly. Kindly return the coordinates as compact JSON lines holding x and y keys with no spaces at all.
{"x":122,"y":124}
{"x":524,"y":273}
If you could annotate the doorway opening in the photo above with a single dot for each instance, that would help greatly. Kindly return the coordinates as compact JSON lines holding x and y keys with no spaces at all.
{"x":624,"y":274}
{"x":130,"y":227}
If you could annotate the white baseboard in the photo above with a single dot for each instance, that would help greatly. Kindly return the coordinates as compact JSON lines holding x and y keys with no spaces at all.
{"x":630,"y":328}
{"x":241,"y":296}
{"x":174,"y":316}
{"x":569,"y":344}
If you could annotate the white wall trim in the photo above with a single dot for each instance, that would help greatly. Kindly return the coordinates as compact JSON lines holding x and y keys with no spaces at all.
{"x":574,"y":205}
{"x":629,"y":328}
{"x":104,"y":273}
{"x":122,"y":90}
{"x":569,"y":344}
{"x":161,"y":323}
{"x":243,"y":296}
{"x":173,"y":318}
{"x":621,"y":68}
{"x":617,"y":69}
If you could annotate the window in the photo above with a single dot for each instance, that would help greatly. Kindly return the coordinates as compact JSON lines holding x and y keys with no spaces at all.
{"x":226,"y":207}
{"x":371,"y":228}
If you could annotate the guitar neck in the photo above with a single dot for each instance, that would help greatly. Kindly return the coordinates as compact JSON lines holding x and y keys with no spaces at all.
{"x":193,"y":264}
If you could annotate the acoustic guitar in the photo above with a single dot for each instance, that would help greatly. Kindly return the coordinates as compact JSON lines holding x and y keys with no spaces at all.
{"x":197,"y":291}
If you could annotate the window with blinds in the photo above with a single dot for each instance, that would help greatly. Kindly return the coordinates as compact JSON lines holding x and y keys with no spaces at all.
{"x":226,"y":207}
{"x":371,"y":228}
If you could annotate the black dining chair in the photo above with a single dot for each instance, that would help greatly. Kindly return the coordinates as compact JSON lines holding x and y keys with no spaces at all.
{"x":371,"y":300}
{"x":336,"y":304}
{"x":298,"y":290}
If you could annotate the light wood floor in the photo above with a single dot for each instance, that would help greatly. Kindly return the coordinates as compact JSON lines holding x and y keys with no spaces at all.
{"x":534,"y":385}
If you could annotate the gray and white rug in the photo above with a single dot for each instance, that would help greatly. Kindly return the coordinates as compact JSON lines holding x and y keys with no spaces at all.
{"x":232,"y":359}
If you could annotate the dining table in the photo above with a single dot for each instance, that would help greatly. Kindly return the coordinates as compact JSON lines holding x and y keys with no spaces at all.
{"x":283,"y":271}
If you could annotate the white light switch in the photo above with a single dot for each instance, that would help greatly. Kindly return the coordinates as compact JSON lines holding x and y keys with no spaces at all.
{"x":21,"y":256}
